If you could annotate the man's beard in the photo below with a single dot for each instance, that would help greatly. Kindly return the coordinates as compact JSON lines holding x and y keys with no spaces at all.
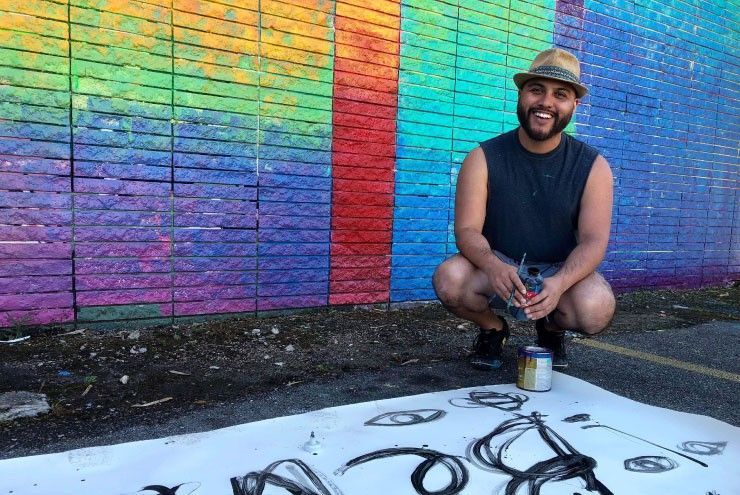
{"x":558,"y":124}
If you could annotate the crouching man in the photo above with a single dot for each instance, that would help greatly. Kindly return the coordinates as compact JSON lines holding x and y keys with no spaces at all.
{"x":540,"y":192}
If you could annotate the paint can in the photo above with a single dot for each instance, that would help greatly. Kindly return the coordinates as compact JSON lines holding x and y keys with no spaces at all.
{"x":535,"y":368}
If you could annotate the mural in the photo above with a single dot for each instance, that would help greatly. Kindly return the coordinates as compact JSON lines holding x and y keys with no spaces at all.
{"x":164,"y":159}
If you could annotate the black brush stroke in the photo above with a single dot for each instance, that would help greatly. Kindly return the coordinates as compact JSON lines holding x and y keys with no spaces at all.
{"x":703,"y":448}
{"x":254,"y":483}
{"x":164,"y":490}
{"x":646,"y":441}
{"x":577,"y":418}
{"x":567,"y":463}
{"x":650,"y":464}
{"x":406,"y":418}
{"x":497,"y":400}
{"x":161,"y":489}
{"x":458,"y":472}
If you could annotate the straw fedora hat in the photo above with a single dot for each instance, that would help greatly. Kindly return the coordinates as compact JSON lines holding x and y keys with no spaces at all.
{"x":554,"y":64}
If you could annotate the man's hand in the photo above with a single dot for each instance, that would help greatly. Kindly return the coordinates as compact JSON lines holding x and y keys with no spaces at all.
{"x":546,"y":301}
{"x":503,"y":279}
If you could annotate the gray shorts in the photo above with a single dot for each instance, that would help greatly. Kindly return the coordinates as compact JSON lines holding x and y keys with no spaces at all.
{"x":546,"y":270}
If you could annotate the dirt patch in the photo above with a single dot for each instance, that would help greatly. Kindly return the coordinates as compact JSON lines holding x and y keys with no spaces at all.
{"x":202,"y":365}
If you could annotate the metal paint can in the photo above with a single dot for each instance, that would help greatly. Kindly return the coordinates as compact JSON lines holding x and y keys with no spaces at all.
{"x":535,"y":368}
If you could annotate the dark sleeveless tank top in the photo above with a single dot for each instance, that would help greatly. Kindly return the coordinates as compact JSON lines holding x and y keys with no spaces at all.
{"x":534,"y":199}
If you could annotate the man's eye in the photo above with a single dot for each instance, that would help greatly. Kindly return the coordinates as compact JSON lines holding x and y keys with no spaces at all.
{"x":405,"y":418}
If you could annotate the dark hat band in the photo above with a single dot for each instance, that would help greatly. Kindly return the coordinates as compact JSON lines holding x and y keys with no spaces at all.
{"x":556,"y":72}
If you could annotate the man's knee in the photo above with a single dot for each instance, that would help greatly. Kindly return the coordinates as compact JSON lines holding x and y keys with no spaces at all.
{"x":593,"y":304}
{"x":598,"y":311}
{"x":448,"y":283}
{"x":597,"y":314}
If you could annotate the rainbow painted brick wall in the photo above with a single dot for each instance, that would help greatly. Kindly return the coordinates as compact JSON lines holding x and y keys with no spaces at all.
{"x":162,"y":159}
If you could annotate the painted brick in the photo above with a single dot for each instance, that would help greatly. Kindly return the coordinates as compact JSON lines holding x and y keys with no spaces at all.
{"x":243,"y":220}
{"x":195,"y":160}
{"x":123,"y":312}
{"x":302,"y":301}
{"x":285,"y":235}
{"x":358,"y":298}
{"x":122,"y":281}
{"x":207,"y":293}
{"x":215,"y":307}
{"x":266,"y":290}
{"x":379,"y":273}
{"x":215,"y":264}
{"x":401,"y":295}
{"x":292,"y":262}
{"x":127,"y":296}
{"x":214,"y":249}
{"x":213,"y":278}
{"x":352,"y":223}
{"x":84,"y":266}
{"x":297,"y":249}
{"x":36,"y":317}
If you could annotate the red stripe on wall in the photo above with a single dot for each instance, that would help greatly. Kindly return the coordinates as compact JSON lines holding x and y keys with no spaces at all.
{"x":363,"y":151}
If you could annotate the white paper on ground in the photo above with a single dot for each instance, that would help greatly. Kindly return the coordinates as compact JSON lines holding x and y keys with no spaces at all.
{"x":204,"y":463}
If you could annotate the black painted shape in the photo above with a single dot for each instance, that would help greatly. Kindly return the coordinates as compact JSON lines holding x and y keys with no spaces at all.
{"x":567,"y":463}
{"x":703,"y":448}
{"x":650,"y":464}
{"x":162,"y":490}
{"x":504,"y":402}
{"x":459,"y":476}
{"x":254,"y":483}
{"x":577,"y":418}
{"x":646,"y":441}
{"x":405,"y":418}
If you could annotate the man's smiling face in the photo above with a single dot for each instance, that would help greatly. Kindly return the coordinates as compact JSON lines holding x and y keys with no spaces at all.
{"x":545,"y":107}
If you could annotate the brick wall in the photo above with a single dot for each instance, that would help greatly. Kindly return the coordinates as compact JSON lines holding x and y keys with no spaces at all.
{"x":165,"y":159}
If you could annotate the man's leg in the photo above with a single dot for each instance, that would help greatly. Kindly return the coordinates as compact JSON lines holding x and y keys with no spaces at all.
{"x":587,"y":307}
{"x":464,"y":290}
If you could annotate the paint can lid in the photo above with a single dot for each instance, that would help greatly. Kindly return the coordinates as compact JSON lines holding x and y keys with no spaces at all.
{"x":534,"y":351}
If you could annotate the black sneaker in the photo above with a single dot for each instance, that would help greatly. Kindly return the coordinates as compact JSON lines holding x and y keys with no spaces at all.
{"x":555,"y":341}
{"x":487,"y":348}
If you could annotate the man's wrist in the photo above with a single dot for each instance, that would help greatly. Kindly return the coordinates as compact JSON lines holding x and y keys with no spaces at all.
{"x":491,"y":263}
{"x":560,"y":280}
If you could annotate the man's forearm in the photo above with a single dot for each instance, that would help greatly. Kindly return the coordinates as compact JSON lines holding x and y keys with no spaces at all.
{"x":474,"y":246}
{"x":581,"y":262}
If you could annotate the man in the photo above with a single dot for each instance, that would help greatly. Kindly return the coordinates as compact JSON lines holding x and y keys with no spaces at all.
{"x":539,"y":192}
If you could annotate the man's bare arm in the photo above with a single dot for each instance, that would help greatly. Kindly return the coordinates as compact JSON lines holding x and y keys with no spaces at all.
{"x":471,"y":198}
{"x":594,"y":224}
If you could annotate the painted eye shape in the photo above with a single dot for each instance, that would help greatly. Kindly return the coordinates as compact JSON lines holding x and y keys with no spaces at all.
{"x":406,"y":418}
{"x":650,"y":464}
{"x":703,"y":448}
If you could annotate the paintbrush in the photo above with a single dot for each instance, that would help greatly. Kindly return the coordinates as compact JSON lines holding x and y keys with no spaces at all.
{"x":518,"y":272}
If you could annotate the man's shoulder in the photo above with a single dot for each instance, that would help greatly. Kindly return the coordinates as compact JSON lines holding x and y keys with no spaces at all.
{"x":583,"y":145}
{"x":503,"y":139}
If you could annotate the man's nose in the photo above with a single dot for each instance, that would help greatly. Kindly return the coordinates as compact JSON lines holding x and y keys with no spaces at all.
{"x":547,"y":99}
